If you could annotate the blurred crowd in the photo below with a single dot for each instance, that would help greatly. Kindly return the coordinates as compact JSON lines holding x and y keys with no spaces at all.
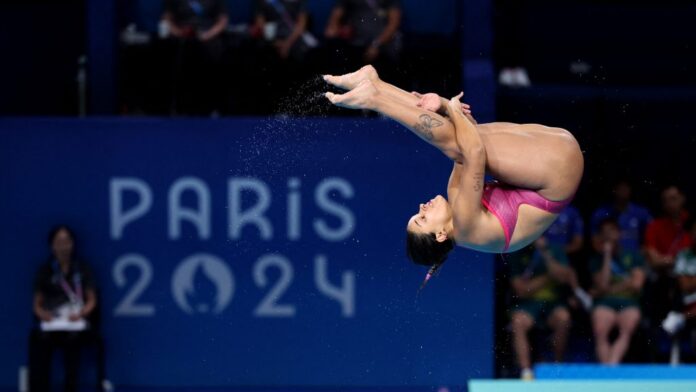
{"x":630,"y":277}
{"x":200,"y":64}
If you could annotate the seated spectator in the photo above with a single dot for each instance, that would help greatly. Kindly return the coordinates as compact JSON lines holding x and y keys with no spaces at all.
{"x":196,"y":27}
{"x":664,"y":238}
{"x":631,"y":218}
{"x":618,"y":280}
{"x":685,"y":271}
{"x":366,"y":32}
{"x":567,"y":230}
{"x":64,"y":299}
{"x":536,"y":278}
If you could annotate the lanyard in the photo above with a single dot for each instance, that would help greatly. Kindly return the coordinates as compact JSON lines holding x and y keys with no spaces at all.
{"x":75,"y":296}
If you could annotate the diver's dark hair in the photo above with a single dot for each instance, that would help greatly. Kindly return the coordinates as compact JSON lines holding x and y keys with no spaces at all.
{"x":425,"y":249}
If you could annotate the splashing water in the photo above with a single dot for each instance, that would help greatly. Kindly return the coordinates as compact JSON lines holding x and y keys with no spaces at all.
{"x":283,"y":137}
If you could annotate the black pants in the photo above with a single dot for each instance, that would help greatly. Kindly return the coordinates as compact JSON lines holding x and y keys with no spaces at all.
{"x":42,"y":345}
{"x":660,"y":297}
{"x":195,"y":75}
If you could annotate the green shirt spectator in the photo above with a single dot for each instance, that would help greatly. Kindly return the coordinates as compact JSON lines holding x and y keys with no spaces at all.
{"x":529,"y":264}
{"x":623,"y":262}
{"x":537,"y":275}
{"x":618,"y":278}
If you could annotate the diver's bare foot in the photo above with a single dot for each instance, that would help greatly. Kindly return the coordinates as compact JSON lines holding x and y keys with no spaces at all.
{"x":351,"y":80}
{"x":361,"y":97}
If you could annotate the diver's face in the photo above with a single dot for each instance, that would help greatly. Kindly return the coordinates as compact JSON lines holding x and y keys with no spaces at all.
{"x":432,"y":217}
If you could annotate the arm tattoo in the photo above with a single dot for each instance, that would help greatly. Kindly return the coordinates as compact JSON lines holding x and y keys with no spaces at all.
{"x":426,"y":124}
{"x":478,"y":181}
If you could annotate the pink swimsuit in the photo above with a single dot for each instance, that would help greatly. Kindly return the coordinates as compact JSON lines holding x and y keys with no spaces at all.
{"x":503,"y":201}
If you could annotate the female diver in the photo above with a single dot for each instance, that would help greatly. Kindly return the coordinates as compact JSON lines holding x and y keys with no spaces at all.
{"x":537,"y":168}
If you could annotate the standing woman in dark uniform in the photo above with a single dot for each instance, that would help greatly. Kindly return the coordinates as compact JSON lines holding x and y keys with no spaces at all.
{"x":64,"y":298}
{"x":361,"y":32}
{"x":197,"y":49}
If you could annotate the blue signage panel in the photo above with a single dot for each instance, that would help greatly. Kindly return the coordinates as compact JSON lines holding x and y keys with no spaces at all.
{"x":244,"y":252}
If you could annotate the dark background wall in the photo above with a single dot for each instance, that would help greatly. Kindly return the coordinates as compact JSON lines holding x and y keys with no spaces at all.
{"x":40,"y":46}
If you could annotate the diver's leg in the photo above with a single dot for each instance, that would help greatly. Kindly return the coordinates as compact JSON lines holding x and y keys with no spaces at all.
{"x":431,"y":127}
{"x":431,"y":101}
{"x":530,"y":156}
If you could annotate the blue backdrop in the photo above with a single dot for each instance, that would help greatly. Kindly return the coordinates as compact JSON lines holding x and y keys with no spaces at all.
{"x":244,"y":252}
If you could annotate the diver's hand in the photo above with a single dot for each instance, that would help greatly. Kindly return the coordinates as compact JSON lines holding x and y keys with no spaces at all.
{"x":434,"y":103}
{"x":454,"y":106}
{"x":466,"y":108}
{"x":459,"y":108}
